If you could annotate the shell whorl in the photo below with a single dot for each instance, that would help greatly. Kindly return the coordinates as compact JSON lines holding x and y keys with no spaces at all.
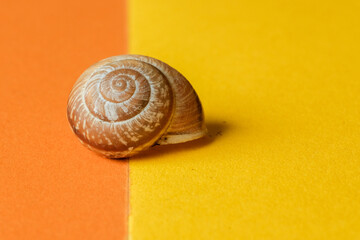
{"x":125,"y":104}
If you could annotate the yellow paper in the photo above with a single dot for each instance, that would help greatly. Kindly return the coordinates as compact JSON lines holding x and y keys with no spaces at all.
{"x":280,"y":85}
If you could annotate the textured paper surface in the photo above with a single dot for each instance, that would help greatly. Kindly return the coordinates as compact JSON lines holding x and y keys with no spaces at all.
{"x":279,"y":82}
{"x":51,"y":187}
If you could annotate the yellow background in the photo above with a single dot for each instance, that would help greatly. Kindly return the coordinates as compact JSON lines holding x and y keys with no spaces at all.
{"x":279,"y":82}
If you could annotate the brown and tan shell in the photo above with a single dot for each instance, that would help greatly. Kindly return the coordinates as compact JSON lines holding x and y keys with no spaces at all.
{"x":124,"y":104}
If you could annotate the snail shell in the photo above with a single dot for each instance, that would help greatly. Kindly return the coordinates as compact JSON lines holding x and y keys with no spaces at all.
{"x":124,"y":104}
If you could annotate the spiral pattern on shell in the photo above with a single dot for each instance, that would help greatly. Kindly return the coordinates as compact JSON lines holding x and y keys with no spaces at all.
{"x":125,"y":104}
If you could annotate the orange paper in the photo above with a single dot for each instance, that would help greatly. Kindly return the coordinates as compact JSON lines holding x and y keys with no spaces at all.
{"x":51,"y":187}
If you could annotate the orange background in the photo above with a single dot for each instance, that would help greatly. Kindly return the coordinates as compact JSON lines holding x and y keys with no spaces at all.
{"x":51,"y":187}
